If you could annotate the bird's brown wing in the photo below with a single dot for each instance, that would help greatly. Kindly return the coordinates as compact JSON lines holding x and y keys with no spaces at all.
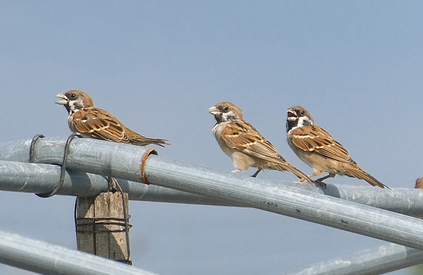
{"x":98,"y":124}
{"x":315,"y":139}
{"x":242,"y":136}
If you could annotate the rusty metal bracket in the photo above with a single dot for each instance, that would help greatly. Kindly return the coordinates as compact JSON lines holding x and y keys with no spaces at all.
{"x":143,"y":161}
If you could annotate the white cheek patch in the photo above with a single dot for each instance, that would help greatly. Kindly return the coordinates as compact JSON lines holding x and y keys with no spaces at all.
{"x":304,"y":121}
{"x":72,"y":107}
{"x":226,"y":116}
{"x":75,"y":105}
{"x":229,"y":116}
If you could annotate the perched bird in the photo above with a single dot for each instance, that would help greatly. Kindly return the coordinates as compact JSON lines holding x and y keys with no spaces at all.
{"x":88,"y":121}
{"x":419,"y":183}
{"x":319,"y":150}
{"x":245,"y":145}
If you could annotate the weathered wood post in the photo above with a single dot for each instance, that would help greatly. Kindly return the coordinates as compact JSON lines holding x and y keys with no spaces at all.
{"x":102,"y":225}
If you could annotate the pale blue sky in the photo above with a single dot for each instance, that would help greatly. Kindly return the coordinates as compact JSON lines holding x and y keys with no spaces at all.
{"x":357,"y":66}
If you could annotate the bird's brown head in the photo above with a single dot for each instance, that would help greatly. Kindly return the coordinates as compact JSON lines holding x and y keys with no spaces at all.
{"x":298,"y":116}
{"x":225,"y":111}
{"x":419,"y":183}
{"x":75,"y":100}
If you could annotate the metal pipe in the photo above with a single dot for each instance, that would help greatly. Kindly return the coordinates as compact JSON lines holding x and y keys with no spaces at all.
{"x":378,"y":260}
{"x":45,"y":258}
{"x":124,"y":161}
{"x":40,"y":178}
{"x":290,"y":201}
{"x":50,"y":150}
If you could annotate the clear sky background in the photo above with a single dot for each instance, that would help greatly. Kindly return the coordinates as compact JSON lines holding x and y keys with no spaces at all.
{"x":357,"y":66}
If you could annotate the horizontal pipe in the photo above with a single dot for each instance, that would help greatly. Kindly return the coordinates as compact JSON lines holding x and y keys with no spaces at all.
{"x":378,"y":260}
{"x":40,"y":178}
{"x":45,"y":258}
{"x":124,"y":161}
{"x":50,"y":150}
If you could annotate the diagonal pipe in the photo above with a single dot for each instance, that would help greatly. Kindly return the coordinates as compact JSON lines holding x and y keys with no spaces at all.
{"x":124,"y":161}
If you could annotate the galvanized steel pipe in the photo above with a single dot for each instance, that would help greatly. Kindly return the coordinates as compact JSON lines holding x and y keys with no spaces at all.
{"x":45,"y":258}
{"x":379,"y":260}
{"x":299,"y":201}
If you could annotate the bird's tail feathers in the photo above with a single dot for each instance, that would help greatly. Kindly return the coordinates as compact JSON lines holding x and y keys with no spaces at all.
{"x":140,"y":140}
{"x":359,"y":173}
{"x":288,"y":167}
{"x":147,"y":141}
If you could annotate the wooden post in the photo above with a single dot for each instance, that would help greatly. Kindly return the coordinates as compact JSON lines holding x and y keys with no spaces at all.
{"x":102,"y":225}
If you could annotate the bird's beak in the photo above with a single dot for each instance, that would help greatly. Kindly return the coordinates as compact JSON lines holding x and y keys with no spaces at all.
{"x":291,"y":114}
{"x":65,"y":100}
{"x":214,"y":111}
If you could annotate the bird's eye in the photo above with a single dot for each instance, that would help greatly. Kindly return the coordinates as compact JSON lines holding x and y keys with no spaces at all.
{"x":302,"y":113}
{"x":226,"y":108}
{"x":72,"y":96}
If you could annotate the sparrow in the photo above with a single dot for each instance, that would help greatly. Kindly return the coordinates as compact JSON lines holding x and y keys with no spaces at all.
{"x":245,"y":145}
{"x":87,"y":121}
{"x":318,"y":149}
{"x":419,"y":183}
